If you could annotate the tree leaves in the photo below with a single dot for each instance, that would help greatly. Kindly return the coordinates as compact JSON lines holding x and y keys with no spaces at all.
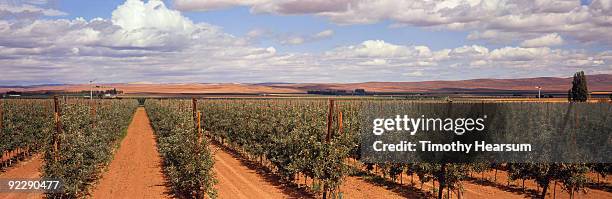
{"x":87,"y":142}
{"x":188,"y":167}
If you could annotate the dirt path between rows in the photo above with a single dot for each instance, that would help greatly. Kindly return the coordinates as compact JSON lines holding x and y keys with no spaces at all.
{"x":243,"y":179}
{"x":136,"y":170}
{"x":559,"y":193}
{"x":357,"y":187}
{"x":25,"y":169}
{"x":237,"y":180}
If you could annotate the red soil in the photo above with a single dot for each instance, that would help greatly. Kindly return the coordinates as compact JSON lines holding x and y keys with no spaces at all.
{"x":531,"y":186}
{"x":136,"y":170}
{"x":25,"y":169}
{"x":357,"y":187}
{"x":237,"y":180}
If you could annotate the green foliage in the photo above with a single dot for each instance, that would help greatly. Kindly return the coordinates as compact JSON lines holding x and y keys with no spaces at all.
{"x":25,"y":124}
{"x":141,"y":101}
{"x":602,"y":169}
{"x":86,"y":143}
{"x":480,"y":167}
{"x":579,"y":91}
{"x":289,"y":133}
{"x":453,"y":175}
{"x":425,"y":171}
{"x":188,"y":167}
{"x":573,"y":176}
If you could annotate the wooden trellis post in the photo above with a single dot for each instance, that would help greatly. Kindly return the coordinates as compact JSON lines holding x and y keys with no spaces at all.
{"x":194,"y":110}
{"x":58,"y":128}
{"x":1,"y":120}
{"x":199,"y":129}
{"x":330,"y":120}
{"x":340,"y":132}
{"x":197,"y":122}
{"x":1,"y":116}
{"x":93,"y":114}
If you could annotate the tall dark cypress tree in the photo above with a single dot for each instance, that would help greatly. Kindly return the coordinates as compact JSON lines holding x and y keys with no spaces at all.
{"x":579,"y":91}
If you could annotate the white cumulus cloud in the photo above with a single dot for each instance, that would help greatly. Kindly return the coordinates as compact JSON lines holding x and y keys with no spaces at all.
{"x":324,"y":34}
{"x":493,"y":21}
{"x":552,"y":39}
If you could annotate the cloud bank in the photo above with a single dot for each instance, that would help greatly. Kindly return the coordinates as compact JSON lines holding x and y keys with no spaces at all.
{"x":147,"y":41}
{"x":491,"y":20}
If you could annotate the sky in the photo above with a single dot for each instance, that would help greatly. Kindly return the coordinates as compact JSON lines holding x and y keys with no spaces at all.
{"x":254,"y":41}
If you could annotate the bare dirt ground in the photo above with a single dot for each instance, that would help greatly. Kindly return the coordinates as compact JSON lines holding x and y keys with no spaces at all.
{"x":362,"y":187}
{"x":25,"y":169}
{"x":357,"y":187}
{"x":239,"y":179}
{"x":410,"y":187}
{"x":136,"y":170}
{"x":501,"y":183}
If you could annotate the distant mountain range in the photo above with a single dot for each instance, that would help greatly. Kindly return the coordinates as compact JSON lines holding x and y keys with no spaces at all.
{"x":601,"y":82}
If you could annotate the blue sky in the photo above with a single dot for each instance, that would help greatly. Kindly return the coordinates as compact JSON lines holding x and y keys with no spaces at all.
{"x":69,"y":41}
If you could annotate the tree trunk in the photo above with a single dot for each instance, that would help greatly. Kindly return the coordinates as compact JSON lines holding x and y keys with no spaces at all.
{"x":442,"y":182}
{"x":495,"y":179}
{"x":555,"y":190}
{"x":544,"y":189}
{"x":433,"y":186}
{"x":324,"y":193}
{"x":458,"y":194}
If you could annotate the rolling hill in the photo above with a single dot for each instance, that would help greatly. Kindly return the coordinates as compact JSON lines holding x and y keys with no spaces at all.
{"x":601,"y":82}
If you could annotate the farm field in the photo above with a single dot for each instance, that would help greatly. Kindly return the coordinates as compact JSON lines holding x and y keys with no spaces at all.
{"x":239,"y":148}
{"x":321,"y":99}
{"x":489,"y":184}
